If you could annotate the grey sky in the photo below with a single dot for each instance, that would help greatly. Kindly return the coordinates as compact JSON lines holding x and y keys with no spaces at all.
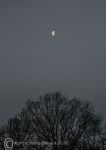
{"x":32,"y":62}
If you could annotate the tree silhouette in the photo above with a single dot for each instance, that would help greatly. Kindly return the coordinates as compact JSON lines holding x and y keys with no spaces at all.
{"x":62,"y":122}
{"x":2,"y":137}
{"x":67,"y":123}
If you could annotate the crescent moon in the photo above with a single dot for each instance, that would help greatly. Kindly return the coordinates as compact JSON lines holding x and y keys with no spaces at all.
{"x":53,"y":33}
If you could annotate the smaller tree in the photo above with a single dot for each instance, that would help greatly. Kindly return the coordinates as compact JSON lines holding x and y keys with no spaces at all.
{"x":2,"y":137}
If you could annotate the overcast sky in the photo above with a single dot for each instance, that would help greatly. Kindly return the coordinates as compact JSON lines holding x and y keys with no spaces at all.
{"x":33,"y":62}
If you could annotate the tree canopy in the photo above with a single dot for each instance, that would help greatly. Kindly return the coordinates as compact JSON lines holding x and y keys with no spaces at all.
{"x":63,"y":122}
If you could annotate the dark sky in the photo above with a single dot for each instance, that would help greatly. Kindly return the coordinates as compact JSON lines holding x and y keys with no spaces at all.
{"x":33,"y":62}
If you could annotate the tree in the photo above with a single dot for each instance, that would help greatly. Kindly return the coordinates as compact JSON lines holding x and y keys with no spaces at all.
{"x":62,"y":122}
{"x":66,"y":123}
{"x":2,"y":136}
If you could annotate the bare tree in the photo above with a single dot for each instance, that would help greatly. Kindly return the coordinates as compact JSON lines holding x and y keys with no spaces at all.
{"x":2,"y":136}
{"x":66,"y":123}
{"x":61,"y":122}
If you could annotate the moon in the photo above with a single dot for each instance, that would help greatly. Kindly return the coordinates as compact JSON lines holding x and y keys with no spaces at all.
{"x":53,"y":33}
